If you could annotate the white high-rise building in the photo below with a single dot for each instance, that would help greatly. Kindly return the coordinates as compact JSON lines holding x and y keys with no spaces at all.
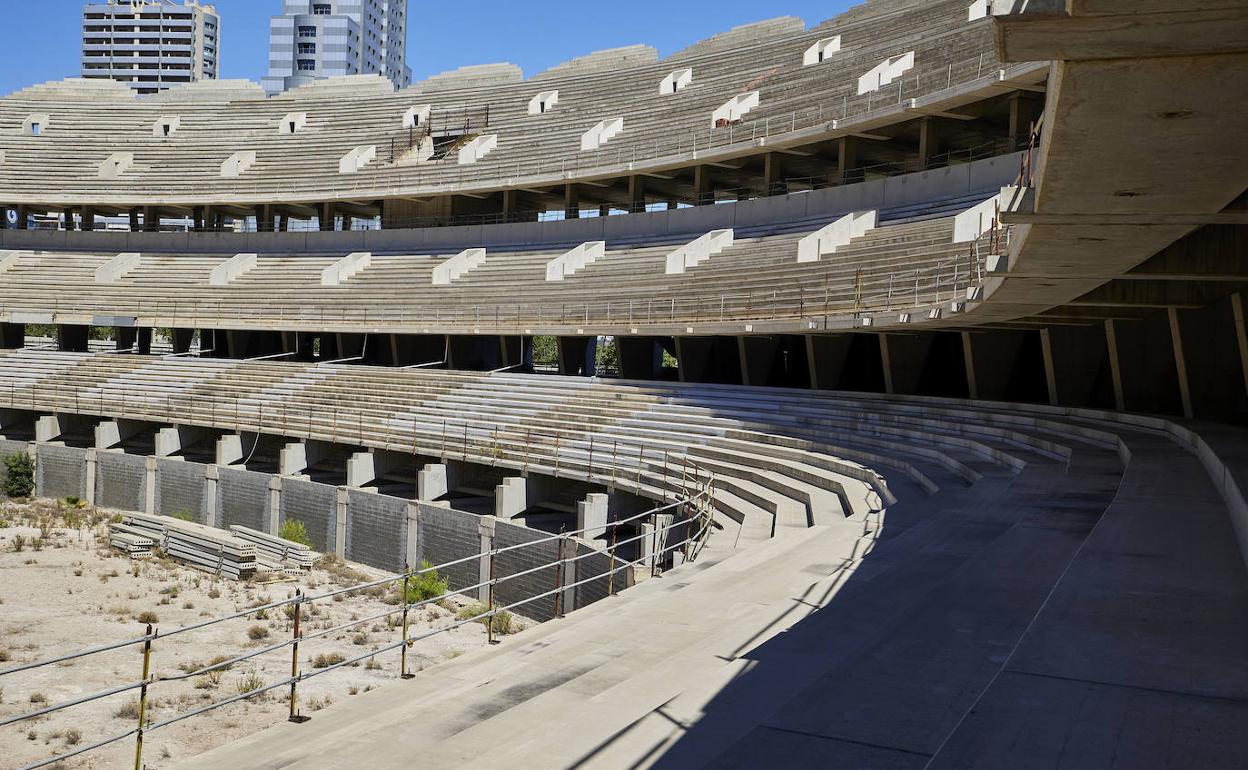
{"x":150,"y":44}
{"x":322,"y":38}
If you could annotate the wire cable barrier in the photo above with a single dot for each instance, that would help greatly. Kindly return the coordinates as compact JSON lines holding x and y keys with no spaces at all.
{"x":689,"y":520}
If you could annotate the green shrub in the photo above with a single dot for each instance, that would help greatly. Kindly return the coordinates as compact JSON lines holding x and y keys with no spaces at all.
{"x":294,"y":531}
{"x":19,"y":543}
{"x":20,"y":478}
{"x":502,"y":621}
{"x":426,"y":585}
{"x":181,"y":516}
{"x":249,"y":683}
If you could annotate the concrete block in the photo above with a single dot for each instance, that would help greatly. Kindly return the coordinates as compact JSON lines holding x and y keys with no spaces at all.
{"x":511,"y":497}
{"x":435,"y":480}
{"x":174,"y":440}
{"x":110,"y":433}
{"x":230,"y":451}
{"x":591,"y":515}
{"x":47,"y":428}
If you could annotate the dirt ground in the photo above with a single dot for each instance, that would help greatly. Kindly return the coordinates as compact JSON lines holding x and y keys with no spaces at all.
{"x":65,"y":591}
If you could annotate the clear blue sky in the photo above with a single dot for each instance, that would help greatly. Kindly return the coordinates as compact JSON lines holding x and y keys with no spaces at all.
{"x":40,"y":41}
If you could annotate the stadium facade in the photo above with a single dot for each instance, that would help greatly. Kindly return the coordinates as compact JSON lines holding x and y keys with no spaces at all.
{"x":931,"y":312}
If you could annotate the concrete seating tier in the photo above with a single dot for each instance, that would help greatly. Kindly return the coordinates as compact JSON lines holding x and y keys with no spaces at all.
{"x":61,"y":164}
{"x":913,"y":264}
{"x":781,"y":459}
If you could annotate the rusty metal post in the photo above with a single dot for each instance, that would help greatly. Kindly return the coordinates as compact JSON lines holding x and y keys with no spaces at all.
{"x":654,"y":544}
{"x":147,"y":671}
{"x":489,"y":619}
{"x":295,"y":635}
{"x":407,"y":574}
{"x":558,"y":608}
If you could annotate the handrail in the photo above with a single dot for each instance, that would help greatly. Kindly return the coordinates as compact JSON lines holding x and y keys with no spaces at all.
{"x":696,"y":523}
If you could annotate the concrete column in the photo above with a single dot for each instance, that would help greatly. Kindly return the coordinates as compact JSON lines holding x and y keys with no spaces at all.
{"x":682,"y":373}
{"x":73,"y":338}
{"x":1180,"y":362}
{"x":434,"y":481}
{"x":89,"y":483}
{"x":571,"y":202}
{"x":969,"y":358}
{"x":181,"y":339}
{"x":12,"y":336}
{"x":151,"y":219}
{"x":773,"y":174}
{"x":1241,"y":333}
{"x":929,"y":141}
{"x":88,"y":219}
{"x":703,"y":186}
{"x":295,"y":458}
{"x":275,"y":504}
{"x":1016,"y":120}
{"x":412,"y":546}
{"x":176,"y":439}
{"x":743,"y":359}
{"x":149,"y":486}
{"x":592,"y":514}
{"x":1050,"y":376}
{"x":212,"y":479}
{"x":364,"y":468}
{"x":485,"y":526}
{"x":110,"y":433}
{"x":197,"y":218}
{"x":812,"y":362}
{"x":230,"y":451}
{"x":887,"y":364}
{"x":1115,"y":368}
{"x":325,"y":213}
{"x":636,"y":194}
{"x":846,"y":157}
{"x":511,"y":498}
{"x":134,"y":220}
{"x":509,"y":205}
{"x":68,"y":216}
{"x":47,"y":428}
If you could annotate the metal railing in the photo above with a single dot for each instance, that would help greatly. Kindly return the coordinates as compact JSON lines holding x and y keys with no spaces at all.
{"x":690,"y":518}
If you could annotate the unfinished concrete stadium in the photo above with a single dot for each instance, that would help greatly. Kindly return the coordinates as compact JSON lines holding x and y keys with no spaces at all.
{"x":867,"y":394}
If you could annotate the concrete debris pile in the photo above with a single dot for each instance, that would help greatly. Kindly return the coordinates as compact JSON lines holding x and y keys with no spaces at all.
{"x":275,"y":554}
{"x":238,"y":554}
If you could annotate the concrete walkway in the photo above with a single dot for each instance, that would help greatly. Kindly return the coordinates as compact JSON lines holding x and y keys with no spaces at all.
{"x":1070,"y":616}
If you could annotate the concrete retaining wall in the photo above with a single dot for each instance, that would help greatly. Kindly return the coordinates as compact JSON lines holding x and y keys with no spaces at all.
{"x":314,"y":505}
{"x":121,"y":481}
{"x":180,"y":487}
{"x":377,"y":530}
{"x":243,"y":498}
{"x":60,"y":471}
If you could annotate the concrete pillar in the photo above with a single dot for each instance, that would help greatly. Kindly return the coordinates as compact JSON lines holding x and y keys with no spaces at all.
{"x":181,"y":340}
{"x":846,"y":157}
{"x":47,"y":428}
{"x":212,"y":477}
{"x":1016,"y":128}
{"x":68,"y":218}
{"x":773,"y":174}
{"x":411,"y":548}
{"x":151,"y":219}
{"x":812,"y":362}
{"x":887,"y":364}
{"x":88,"y":219}
{"x":275,"y":505}
{"x":1180,"y":362}
{"x":296,"y":457}
{"x":341,"y":512}
{"x":511,"y":498}
{"x":1050,"y":376}
{"x":703,"y":185}
{"x":110,"y":433}
{"x":149,"y":486}
{"x":134,"y":220}
{"x":230,"y":451}
{"x":364,"y":468}
{"x":12,"y":336}
{"x":197,"y":218}
{"x":636,"y":194}
{"x":435,"y":481}
{"x":571,"y":202}
{"x":1115,"y":368}
{"x":969,"y":357}
{"x":325,"y":213}
{"x":1241,"y":333}
{"x":509,"y":205}
{"x":137,"y":340}
{"x":485,"y":527}
{"x":682,"y":373}
{"x":929,"y":141}
{"x":73,"y":338}
{"x":743,"y":358}
{"x":174,"y":440}
{"x":591,"y":515}
{"x":89,"y":483}
{"x":578,"y":355}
